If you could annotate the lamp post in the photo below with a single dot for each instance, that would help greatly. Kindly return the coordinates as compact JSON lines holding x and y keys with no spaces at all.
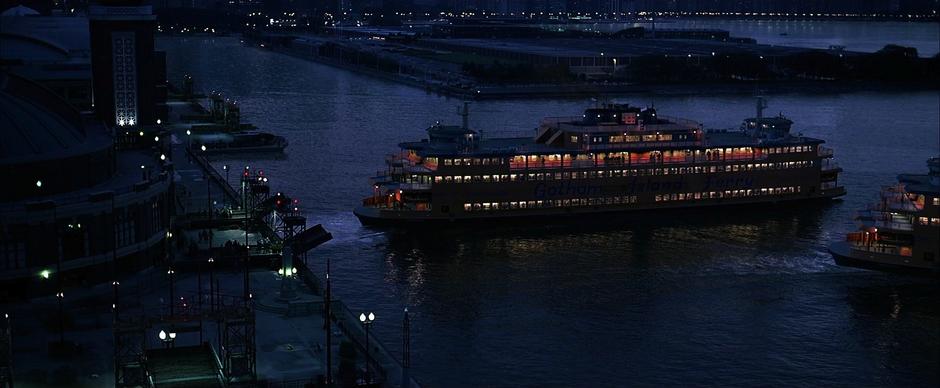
{"x":59,"y":296}
{"x":406,"y":350}
{"x":170,"y":272}
{"x":366,"y":322}
{"x":167,"y":337}
{"x":209,"y":211}
{"x":211,"y":284}
{"x":225,"y":198}
{"x":245,"y":185}
{"x":327,"y":305}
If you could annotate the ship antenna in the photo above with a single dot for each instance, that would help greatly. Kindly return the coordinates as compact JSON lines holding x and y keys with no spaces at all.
{"x":464,"y":114}
{"x":761,"y":104}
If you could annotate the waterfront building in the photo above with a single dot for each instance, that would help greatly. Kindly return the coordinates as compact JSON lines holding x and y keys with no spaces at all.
{"x":612,"y":158}
{"x":72,"y":204}
{"x":129,"y":75}
{"x":900,"y":232}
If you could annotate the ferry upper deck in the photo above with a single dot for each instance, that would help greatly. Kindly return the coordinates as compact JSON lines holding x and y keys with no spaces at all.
{"x":611,"y":128}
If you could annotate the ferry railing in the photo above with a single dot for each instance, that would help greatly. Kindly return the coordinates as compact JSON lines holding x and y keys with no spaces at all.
{"x":825,"y":152}
{"x":861,"y":245}
{"x":516,"y":166}
{"x":640,"y":144}
{"x":415,"y":186}
{"x":905,"y":206}
{"x":829,"y":165}
{"x":905,"y":226}
{"x":678,"y":120}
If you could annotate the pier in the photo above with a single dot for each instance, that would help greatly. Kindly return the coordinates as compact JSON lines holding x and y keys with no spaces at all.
{"x":207,"y":310}
{"x":279,"y":288}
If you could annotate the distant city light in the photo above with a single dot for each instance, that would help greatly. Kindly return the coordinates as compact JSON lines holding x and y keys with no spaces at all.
{"x":45,"y":273}
{"x":158,"y":122}
{"x":38,"y":183}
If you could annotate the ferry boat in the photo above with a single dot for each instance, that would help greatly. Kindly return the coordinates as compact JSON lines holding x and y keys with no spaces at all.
{"x":901,"y":232}
{"x":613,"y":158}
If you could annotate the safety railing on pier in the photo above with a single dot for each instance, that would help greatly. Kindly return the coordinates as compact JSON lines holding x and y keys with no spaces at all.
{"x":214,"y":175}
{"x":348,"y":323}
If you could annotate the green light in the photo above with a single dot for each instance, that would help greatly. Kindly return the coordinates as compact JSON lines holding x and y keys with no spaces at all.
{"x":45,"y":273}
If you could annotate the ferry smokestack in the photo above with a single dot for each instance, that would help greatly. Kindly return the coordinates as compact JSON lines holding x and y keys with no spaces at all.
{"x":761,"y":104}
{"x":465,"y":115}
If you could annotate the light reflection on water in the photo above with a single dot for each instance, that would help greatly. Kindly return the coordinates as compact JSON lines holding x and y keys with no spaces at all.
{"x":688,"y":297}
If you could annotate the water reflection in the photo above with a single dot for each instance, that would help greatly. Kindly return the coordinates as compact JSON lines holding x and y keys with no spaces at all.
{"x":680,"y":298}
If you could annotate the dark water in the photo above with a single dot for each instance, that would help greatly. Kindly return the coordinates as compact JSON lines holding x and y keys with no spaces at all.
{"x":733,"y":298}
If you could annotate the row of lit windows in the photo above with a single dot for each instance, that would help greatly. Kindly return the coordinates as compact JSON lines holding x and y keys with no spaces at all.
{"x":728,"y":194}
{"x":474,"y":162}
{"x":513,"y":205}
{"x":620,"y":173}
{"x":630,"y":138}
{"x":520,"y":158}
{"x":928,"y":221}
{"x":784,"y":150}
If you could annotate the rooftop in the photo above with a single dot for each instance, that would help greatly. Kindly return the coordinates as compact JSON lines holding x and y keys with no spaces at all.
{"x":36,"y":124}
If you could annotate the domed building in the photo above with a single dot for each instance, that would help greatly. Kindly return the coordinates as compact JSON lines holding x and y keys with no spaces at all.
{"x":72,"y":206}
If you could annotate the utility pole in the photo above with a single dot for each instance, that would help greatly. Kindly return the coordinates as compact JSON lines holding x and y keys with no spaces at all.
{"x":405,"y":350}
{"x":329,"y":331}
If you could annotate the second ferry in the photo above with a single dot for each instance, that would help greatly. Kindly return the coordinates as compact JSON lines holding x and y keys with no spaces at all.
{"x":613,"y":158}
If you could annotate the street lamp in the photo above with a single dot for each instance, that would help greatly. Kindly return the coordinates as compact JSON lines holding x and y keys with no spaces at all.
{"x":366,"y":322}
{"x":211,"y":284}
{"x":166,"y":337}
{"x":59,"y":296}
{"x":170,"y":272}
{"x":225,"y":198}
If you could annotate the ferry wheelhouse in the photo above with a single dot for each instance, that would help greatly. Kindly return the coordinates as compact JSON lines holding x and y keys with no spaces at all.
{"x":900,"y":232}
{"x":613,"y":158}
